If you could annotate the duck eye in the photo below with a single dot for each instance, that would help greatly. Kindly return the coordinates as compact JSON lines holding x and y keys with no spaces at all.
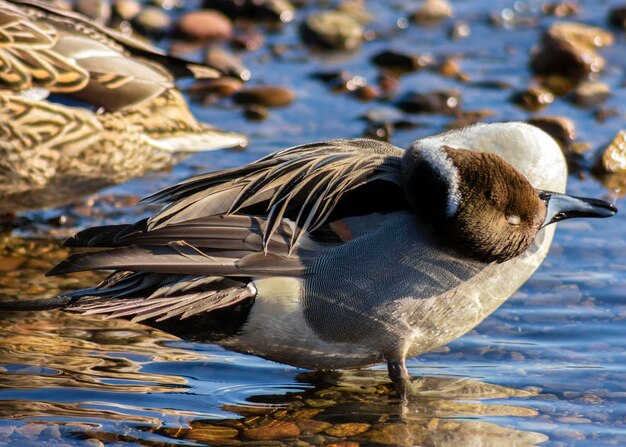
{"x":513,"y":220}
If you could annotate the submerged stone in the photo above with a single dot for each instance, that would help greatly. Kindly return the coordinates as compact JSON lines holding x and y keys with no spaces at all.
{"x":333,"y":30}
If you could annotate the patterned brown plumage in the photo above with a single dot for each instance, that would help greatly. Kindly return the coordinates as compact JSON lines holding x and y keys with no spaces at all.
{"x":134,"y":119}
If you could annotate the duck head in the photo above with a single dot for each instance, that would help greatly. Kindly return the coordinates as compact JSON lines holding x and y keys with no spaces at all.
{"x":480,"y":205}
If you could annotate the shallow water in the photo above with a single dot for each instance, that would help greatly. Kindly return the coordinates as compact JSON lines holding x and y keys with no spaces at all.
{"x":548,"y":367}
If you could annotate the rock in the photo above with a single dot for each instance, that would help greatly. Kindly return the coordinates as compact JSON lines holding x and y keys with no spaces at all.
{"x":357,"y":11}
{"x":153,"y":21}
{"x":168,"y":4}
{"x":460,"y":30}
{"x":590,"y":93}
{"x":533,"y":98}
{"x":205,"y":25}
{"x":220,"y":87}
{"x":560,"y":9}
{"x":432,"y":12}
{"x":256,"y":113}
{"x":97,"y":10}
{"x":367,"y":92}
{"x":312,"y":426}
{"x":613,"y":158}
{"x":209,"y":433}
{"x":265,"y":95}
{"x":281,"y":10}
{"x":617,"y":17}
{"x":401,"y":61}
{"x":570,"y":49}
{"x":226,"y":63}
{"x":250,"y":40}
{"x":562,"y":129}
{"x":127,"y":9}
{"x":446,"y":102}
{"x":271,"y":430}
{"x":347,"y":429}
{"x":332,"y":30}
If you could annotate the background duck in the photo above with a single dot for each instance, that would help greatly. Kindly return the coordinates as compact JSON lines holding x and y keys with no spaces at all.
{"x":127,"y":116}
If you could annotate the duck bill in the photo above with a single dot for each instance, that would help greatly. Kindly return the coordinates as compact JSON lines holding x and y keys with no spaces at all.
{"x":561,"y":206}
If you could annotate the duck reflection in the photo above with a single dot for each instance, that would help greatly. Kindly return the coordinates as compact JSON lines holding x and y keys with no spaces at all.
{"x":63,"y":377}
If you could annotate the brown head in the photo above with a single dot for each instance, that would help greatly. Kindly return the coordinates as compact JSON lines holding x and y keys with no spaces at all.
{"x":480,"y":205}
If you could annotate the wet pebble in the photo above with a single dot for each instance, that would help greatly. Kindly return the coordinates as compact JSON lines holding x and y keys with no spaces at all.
{"x":561,"y":128}
{"x":401,"y":61}
{"x":446,"y":102}
{"x":617,"y":17}
{"x":209,"y":433}
{"x":127,"y":9}
{"x":153,"y":21}
{"x":205,"y":25}
{"x":272,"y":430}
{"x":533,"y":99}
{"x":312,"y":426}
{"x":281,"y":10}
{"x":590,"y":93}
{"x":560,"y":9}
{"x":98,"y":10}
{"x":347,"y":429}
{"x":357,"y":10}
{"x":460,"y":30}
{"x":216,"y":88}
{"x":570,"y":49}
{"x":265,"y":95}
{"x":332,"y":29}
{"x":613,"y":158}
{"x":256,"y":112}
{"x":432,"y":12}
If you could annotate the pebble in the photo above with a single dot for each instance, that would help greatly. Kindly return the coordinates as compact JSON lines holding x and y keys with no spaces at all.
{"x":256,"y":113}
{"x":280,"y":10}
{"x":312,"y":426}
{"x":617,"y":17}
{"x":153,"y":21}
{"x":432,"y":12}
{"x":220,"y":87}
{"x":347,"y":429}
{"x":127,"y":9}
{"x":446,"y":102}
{"x":205,"y":25}
{"x":333,"y":30}
{"x":570,"y":49}
{"x":265,"y":95}
{"x":560,"y":9}
{"x":460,"y":30}
{"x":272,"y":430}
{"x":367,"y":92}
{"x":590,"y":93}
{"x":357,"y":11}
{"x":401,"y":61}
{"x":97,"y":10}
{"x":613,"y":158}
{"x":209,"y":433}
{"x":561,"y":128}
{"x":225,"y":62}
{"x":533,"y":98}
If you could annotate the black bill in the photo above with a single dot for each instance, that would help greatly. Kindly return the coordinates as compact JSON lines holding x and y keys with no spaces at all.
{"x":561,"y":206}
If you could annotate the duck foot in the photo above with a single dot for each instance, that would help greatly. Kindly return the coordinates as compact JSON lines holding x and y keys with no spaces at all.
{"x":400,"y":378}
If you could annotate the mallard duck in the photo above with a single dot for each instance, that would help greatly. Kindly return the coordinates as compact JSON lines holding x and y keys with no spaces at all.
{"x":127,"y":117}
{"x":338,"y":254}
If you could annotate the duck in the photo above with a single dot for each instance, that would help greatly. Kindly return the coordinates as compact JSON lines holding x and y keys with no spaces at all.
{"x":338,"y":254}
{"x":83,"y":107}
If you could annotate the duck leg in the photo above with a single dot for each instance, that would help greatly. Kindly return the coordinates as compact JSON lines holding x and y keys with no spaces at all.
{"x":400,"y":378}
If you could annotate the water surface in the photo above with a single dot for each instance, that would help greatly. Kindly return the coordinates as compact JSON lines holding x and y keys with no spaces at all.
{"x":549,"y":367}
